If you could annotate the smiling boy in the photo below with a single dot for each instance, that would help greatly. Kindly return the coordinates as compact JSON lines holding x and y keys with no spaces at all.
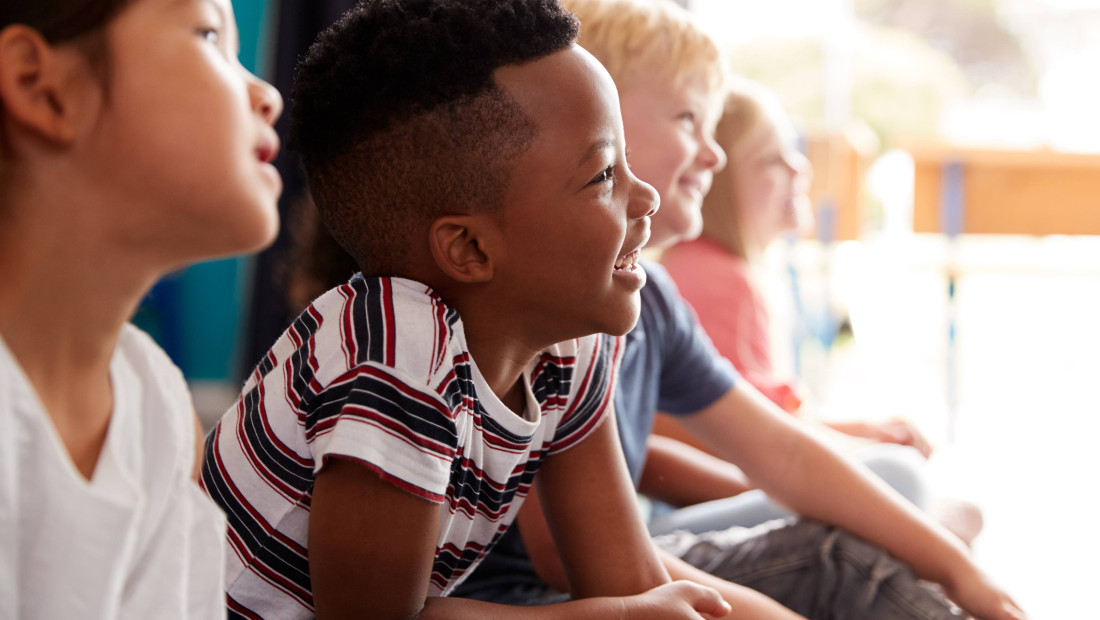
{"x":669,"y":75}
{"x":387,"y":440}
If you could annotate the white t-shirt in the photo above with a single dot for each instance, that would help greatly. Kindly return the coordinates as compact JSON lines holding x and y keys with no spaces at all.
{"x":139,"y":540}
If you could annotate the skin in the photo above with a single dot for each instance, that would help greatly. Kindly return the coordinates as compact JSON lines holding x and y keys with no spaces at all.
{"x":670,"y":134}
{"x":771,"y":182}
{"x":745,"y":429}
{"x":108,"y":221}
{"x":771,"y":178}
{"x":573,"y":204}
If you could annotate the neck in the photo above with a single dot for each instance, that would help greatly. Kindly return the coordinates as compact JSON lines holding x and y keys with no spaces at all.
{"x":500,"y":355}
{"x":65,"y":292}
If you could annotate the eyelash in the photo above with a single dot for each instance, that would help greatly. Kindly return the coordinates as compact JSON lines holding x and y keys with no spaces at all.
{"x":210,"y":35}
{"x":606,"y":175}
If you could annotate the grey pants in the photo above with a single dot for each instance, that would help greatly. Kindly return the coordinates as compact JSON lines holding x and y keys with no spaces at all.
{"x":816,"y":570}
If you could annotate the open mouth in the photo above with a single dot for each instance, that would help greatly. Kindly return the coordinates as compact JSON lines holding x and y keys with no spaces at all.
{"x":630,"y":261}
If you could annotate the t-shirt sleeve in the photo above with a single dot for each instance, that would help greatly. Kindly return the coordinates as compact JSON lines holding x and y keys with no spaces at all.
{"x":693,"y":374}
{"x":733,"y":314}
{"x":589,"y":391}
{"x":406,"y":434}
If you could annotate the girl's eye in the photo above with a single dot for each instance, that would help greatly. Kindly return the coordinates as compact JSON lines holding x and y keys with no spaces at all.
{"x":688,"y":117}
{"x":210,"y":35}
{"x":606,"y":175}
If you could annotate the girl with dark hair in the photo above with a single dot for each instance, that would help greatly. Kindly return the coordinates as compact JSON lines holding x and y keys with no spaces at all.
{"x":132,"y":142}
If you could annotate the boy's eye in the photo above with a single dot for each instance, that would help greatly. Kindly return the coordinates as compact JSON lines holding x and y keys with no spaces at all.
{"x":606,"y":175}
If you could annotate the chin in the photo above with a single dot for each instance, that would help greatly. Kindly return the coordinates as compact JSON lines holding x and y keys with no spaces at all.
{"x":625,"y":320}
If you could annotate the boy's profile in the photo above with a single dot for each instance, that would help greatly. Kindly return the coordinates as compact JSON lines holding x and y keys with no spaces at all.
{"x":470,"y":157}
{"x":668,"y":72}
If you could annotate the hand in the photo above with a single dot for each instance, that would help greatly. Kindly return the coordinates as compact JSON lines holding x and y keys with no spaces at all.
{"x":679,"y":599}
{"x":981,"y":598}
{"x":893,"y":430}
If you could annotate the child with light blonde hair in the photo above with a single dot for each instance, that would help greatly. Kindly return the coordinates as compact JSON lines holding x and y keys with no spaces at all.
{"x":761,"y":194}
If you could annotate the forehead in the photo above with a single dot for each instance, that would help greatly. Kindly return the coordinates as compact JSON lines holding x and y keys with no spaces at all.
{"x":223,"y":9}
{"x":696,"y":91}
{"x":572,"y":101}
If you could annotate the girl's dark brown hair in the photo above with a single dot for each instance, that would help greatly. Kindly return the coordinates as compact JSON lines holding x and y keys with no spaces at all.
{"x":61,"y":21}
{"x":68,"y":21}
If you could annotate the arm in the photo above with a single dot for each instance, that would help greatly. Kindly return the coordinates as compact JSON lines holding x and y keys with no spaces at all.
{"x":196,"y":467}
{"x":746,"y":603}
{"x":359,"y":568}
{"x":893,"y":430}
{"x":803,"y":473}
{"x":617,"y":543}
{"x":682,"y":475}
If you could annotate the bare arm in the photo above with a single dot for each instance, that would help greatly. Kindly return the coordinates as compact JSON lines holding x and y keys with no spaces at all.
{"x":747,"y":604}
{"x":620,"y":534}
{"x":196,"y":468}
{"x":592,"y":514}
{"x":371,"y":548}
{"x":682,"y":475}
{"x":800,"y":471}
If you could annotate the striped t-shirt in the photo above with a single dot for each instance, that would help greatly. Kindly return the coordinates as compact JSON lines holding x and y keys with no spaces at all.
{"x":377,"y":370}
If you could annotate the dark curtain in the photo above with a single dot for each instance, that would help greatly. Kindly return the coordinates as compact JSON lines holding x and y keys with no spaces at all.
{"x":299,"y":22}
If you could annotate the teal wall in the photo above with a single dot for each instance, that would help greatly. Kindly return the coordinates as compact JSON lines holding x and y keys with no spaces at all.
{"x":198,"y":315}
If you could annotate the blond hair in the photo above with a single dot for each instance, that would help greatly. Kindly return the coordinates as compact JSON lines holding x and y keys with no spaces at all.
{"x":640,"y":38}
{"x":749,"y":108}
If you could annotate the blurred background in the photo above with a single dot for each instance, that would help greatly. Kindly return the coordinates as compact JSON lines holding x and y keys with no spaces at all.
{"x":952,"y":274}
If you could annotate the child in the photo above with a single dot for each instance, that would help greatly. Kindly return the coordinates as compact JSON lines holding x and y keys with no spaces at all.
{"x":470,"y":157}
{"x":668,"y":75}
{"x":761,"y":194}
{"x":132,"y":142}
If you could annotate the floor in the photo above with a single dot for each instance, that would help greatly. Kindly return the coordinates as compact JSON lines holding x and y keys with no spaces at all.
{"x":1021,"y":437}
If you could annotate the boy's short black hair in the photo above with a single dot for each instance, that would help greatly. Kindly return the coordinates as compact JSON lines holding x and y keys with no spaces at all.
{"x":398,"y":120}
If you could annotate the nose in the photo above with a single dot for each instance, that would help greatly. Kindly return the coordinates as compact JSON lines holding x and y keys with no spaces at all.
{"x":644,"y":200}
{"x":798,"y":164}
{"x":711,"y":155}
{"x":265,"y":99}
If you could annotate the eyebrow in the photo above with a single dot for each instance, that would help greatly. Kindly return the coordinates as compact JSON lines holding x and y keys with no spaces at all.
{"x":227,"y":24}
{"x":594,"y":150}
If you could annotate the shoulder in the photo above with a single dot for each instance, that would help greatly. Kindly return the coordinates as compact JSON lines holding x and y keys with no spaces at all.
{"x":390,"y":323}
{"x":156,"y":394}
{"x":397,"y":323}
{"x":161,"y":382}
{"x":139,"y":348}
{"x":663,"y":307}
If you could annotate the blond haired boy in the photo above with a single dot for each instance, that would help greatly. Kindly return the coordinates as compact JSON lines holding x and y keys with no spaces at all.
{"x":668,"y":72}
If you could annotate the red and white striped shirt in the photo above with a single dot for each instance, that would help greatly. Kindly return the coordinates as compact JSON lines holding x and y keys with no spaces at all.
{"x":378,"y":371}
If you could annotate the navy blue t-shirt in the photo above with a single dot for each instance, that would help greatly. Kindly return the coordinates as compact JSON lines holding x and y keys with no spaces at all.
{"x":669,"y":365}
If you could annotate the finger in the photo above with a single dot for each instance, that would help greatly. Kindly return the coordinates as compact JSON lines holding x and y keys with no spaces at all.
{"x":706,"y":600}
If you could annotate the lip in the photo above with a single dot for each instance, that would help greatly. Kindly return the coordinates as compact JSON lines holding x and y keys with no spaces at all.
{"x":695,"y":185}
{"x":636,"y":248}
{"x":268,"y":148}
{"x":632,"y":277}
{"x":265,"y":153}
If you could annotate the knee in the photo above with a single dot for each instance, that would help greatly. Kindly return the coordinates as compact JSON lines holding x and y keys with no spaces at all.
{"x":902,"y":468}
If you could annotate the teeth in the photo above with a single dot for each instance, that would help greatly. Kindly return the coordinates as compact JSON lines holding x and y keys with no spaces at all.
{"x":628,"y":262}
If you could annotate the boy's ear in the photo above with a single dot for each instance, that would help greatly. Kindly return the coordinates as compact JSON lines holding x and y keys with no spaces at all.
{"x":463,"y":247}
{"x":36,"y":83}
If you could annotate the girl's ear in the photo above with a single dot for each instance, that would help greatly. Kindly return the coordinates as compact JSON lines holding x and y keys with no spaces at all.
{"x":37,"y":84}
{"x":464,"y":247}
